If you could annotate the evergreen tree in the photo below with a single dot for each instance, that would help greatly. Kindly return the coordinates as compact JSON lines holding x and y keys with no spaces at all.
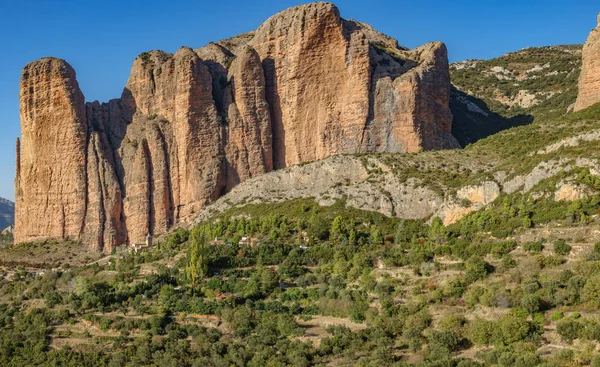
{"x":338,"y":228}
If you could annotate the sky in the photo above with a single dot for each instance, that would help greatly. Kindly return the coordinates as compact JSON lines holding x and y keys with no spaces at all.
{"x":100,"y":39}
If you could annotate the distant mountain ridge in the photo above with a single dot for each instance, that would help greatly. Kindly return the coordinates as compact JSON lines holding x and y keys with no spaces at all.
{"x":7,"y":213}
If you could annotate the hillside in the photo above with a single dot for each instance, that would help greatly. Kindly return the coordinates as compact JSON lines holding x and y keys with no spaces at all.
{"x":487,"y":255}
{"x":445,"y":184}
{"x":513,"y":283}
{"x":514,"y":89}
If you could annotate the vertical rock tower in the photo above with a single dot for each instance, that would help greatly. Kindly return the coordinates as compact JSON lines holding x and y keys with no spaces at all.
{"x":191,"y":125}
{"x":589,"y":81}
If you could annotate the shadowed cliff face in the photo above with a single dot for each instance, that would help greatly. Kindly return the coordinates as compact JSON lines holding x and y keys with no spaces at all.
{"x":589,"y":81}
{"x":191,"y":126}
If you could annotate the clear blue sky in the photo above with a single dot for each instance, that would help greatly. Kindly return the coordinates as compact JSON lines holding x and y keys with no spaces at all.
{"x":101,"y":38}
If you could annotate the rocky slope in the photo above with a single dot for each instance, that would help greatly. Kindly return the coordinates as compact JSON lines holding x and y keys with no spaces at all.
{"x":7,"y":213}
{"x":190,"y":126}
{"x":552,"y":160}
{"x":589,"y":82}
{"x":512,"y":90}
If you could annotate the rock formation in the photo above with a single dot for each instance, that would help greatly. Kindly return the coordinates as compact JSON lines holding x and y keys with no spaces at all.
{"x":589,"y":80}
{"x":190,"y":126}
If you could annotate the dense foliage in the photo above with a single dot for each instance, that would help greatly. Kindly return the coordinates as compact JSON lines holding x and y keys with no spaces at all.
{"x":405,"y":289}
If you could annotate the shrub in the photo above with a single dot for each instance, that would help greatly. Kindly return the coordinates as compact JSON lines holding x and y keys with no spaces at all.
{"x":476,"y":269}
{"x":591,"y":290}
{"x":557,"y":315}
{"x":531,"y":303}
{"x":595,"y":254}
{"x":569,"y":329}
{"x":481,"y":331}
{"x":534,"y":246}
{"x":553,"y":261}
{"x":445,"y":339}
{"x":515,"y":329}
{"x":561,"y":247}
{"x":452,"y":322}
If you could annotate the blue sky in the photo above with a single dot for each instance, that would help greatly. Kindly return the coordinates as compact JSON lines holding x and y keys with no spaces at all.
{"x":101,"y":38}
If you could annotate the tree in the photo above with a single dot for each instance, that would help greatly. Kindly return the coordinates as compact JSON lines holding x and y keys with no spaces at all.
{"x":338,"y":228}
{"x":531,"y":303}
{"x":352,"y":237}
{"x":437,"y":231}
{"x":269,"y":280}
{"x":441,"y":344}
{"x":318,"y":227}
{"x":575,"y":212}
{"x":376,"y":235}
{"x":197,"y":262}
{"x":482,"y":331}
{"x":514,"y":329}
{"x":406,"y":230}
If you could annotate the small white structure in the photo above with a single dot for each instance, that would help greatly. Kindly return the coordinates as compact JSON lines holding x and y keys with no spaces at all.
{"x":248,"y":241}
{"x":148,"y":240}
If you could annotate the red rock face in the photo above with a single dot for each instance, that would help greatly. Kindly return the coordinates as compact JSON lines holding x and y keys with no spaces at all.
{"x":190,"y":126}
{"x":318,"y":79}
{"x":589,"y":81}
{"x":51,"y":186}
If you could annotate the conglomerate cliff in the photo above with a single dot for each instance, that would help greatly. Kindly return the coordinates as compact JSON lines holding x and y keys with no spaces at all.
{"x":589,"y":80}
{"x":190,"y":126}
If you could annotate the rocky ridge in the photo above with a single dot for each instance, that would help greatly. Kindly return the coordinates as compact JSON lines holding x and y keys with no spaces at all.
{"x":191,"y":126}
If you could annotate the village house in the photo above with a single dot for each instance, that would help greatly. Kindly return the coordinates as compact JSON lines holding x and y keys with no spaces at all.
{"x":217,"y":241}
{"x":135,"y":246}
{"x":248,"y":241}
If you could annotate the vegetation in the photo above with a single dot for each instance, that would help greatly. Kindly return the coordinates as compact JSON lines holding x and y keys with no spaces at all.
{"x":6,"y":239}
{"x":383,"y":291}
{"x":549,"y":73}
{"x":516,"y":283}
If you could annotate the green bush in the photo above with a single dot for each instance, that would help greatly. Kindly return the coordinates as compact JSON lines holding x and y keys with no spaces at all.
{"x":476,"y":269}
{"x":569,"y":329}
{"x":561,"y":247}
{"x":534,"y":246}
{"x":531,"y":303}
{"x":591,"y":290}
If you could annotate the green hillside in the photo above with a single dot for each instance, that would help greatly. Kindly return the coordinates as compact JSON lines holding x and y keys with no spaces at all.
{"x":512,"y":284}
{"x":513,"y":89}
